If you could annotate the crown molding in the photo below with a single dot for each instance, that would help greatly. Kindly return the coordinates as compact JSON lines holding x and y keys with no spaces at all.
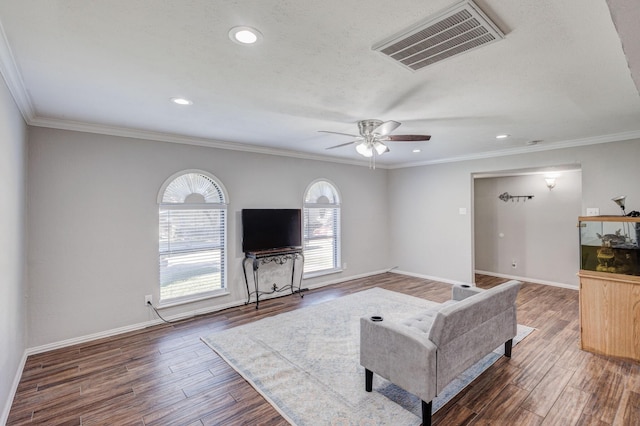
{"x":13,"y":78}
{"x":236,"y":146}
{"x":79,"y":126}
{"x":572,"y":143}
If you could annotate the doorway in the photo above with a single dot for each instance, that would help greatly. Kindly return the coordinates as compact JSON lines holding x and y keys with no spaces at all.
{"x":525,"y":228}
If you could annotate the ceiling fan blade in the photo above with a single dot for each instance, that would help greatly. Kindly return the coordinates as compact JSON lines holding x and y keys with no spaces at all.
{"x":343,"y":144}
{"x":386,"y":128}
{"x":406,"y":138}
{"x":338,"y":133}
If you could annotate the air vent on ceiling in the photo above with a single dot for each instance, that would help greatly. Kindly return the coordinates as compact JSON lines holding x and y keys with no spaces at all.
{"x":458,"y":29}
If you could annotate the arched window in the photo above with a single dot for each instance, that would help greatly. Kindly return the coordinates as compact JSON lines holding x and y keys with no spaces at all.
{"x":321,"y":229}
{"x":193,"y":224}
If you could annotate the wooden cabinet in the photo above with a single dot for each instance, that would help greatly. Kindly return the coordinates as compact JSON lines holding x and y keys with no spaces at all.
{"x":610,"y":285}
{"x":610,"y":314}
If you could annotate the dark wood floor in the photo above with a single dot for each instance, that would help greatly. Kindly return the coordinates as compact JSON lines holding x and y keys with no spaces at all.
{"x":165,"y":375}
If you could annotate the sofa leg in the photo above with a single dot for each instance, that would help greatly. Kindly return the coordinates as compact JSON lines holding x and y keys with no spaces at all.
{"x":426,"y":413}
{"x":507,"y":348}
{"x":368,"y":380}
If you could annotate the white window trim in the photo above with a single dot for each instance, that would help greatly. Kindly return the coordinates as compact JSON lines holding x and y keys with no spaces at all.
{"x":192,"y":299}
{"x":316,"y":274}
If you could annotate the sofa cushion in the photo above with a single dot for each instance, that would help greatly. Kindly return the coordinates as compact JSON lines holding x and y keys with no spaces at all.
{"x":423,"y":321}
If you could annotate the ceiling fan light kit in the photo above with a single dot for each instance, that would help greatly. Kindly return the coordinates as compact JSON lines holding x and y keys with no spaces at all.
{"x":367,"y":149}
{"x":372,"y":135}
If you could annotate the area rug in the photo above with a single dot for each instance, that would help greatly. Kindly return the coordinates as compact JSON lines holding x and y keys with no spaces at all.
{"x":306,"y":362}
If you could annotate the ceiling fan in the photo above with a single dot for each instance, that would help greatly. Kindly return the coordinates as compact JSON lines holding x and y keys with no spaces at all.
{"x":373,"y":134}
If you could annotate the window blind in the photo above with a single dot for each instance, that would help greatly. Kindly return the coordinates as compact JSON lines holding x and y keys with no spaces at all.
{"x":321,"y":235}
{"x":191,"y":249}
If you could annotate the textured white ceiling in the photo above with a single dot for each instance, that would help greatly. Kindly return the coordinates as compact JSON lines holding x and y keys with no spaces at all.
{"x":559,"y":76}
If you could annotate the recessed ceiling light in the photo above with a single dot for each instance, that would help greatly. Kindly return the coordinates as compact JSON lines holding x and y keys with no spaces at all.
{"x":417,"y":150}
{"x":181,"y":101}
{"x":245,"y":35}
{"x":503,"y":136}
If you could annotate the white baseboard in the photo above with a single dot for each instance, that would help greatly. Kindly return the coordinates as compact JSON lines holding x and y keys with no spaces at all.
{"x":491,"y":274}
{"x":529,"y":280}
{"x":429,"y":277}
{"x":129,"y":328}
{"x":177,"y":317}
{"x":14,"y":388}
{"x":344,"y":279}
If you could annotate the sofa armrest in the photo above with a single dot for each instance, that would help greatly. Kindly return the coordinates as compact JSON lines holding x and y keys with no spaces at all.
{"x":461,"y":292}
{"x":400,"y":354}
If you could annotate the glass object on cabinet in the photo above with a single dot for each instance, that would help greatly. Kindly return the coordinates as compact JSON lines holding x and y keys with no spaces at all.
{"x":610,"y":244}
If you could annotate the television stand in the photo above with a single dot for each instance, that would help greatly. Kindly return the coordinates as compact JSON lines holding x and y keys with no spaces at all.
{"x":279,"y":257}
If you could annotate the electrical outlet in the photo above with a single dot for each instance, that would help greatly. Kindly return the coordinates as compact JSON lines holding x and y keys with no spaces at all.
{"x":593,"y":211}
{"x":148,"y":299}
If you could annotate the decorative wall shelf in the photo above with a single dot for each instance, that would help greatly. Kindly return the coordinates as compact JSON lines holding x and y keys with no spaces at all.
{"x":505,"y":196}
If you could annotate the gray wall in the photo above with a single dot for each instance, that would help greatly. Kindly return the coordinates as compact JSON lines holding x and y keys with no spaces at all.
{"x":539,"y":235}
{"x":93,"y":223}
{"x":13,"y":143}
{"x":430,"y":238}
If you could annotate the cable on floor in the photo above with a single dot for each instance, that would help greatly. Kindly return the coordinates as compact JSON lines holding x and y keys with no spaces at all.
{"x":158,"y":313}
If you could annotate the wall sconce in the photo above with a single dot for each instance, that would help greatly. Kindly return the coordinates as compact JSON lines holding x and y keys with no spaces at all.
{"x":551,"y":182}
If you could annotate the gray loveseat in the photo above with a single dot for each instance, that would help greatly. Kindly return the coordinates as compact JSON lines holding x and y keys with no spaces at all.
{"x":425,"y":353}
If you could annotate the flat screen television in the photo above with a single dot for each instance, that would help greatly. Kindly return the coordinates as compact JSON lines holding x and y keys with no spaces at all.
{"x":270,"y":229}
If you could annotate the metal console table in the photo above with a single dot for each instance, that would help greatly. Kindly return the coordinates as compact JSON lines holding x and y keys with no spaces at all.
{"x":279,"y":257}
